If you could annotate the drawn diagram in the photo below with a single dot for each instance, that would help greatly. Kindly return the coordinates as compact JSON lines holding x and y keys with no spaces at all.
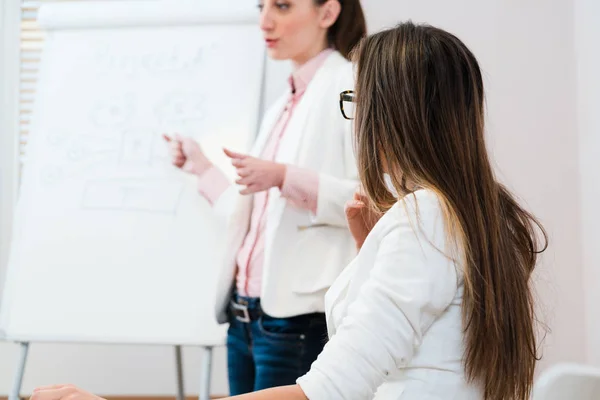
{"x":176,"y":59}
{"x":57,"y":174}
{"x":136,"y":146}
{"x":151,"y":195}
{"x":57,"y":138}
{"x":180,"y":108}
{"x":73,"y":155}
{"x":51,"y":175}
{"x":121,"y":163}
{"x":113,"y":112}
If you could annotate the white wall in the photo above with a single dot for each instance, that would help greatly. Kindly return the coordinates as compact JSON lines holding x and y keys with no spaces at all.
{"x":587,"y":22}
{"x":526,"y":50}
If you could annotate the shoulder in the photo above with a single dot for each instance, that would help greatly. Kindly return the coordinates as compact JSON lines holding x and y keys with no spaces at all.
{"x":338,"y":72}
{"x":339,"y":62}
{"x":423,"y":204}
{"x":419,"y":215}
{"x":415,"y":229}
{"x":410,"y":240}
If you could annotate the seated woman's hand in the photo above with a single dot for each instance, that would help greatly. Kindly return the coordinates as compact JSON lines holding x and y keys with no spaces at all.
{"x":62,"y":392}
{"x":361,"y":218}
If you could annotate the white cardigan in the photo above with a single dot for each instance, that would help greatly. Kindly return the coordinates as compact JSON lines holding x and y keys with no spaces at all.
{"x":304,"y":253}
{"x":394,"y":315}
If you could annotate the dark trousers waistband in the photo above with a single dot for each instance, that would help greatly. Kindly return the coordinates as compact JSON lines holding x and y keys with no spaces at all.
{"x":248,"y":309}
{"x":245,"y":309}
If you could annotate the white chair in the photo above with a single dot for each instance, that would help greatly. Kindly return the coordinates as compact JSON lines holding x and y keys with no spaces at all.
{"x":568,"y":382}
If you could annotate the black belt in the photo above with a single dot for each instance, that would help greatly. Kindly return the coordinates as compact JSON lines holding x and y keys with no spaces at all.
{"x":240,"y":310}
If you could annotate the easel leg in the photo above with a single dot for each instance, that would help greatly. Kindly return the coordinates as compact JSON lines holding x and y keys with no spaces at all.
{"x":179,"y":362}
{"x":206,"y":374}
{"x":16,"y":390}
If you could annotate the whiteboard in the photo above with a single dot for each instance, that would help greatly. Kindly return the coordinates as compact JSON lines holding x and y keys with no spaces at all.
{"x":111,"y":243}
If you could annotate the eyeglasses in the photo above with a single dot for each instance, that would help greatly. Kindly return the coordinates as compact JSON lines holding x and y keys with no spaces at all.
{"x":347,"y":104}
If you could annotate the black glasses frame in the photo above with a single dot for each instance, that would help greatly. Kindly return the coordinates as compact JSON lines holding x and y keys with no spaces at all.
{"x":346,"y":95}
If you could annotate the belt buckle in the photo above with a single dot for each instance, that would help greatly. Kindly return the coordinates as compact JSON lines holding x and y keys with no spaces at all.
{"x":243,"y":309}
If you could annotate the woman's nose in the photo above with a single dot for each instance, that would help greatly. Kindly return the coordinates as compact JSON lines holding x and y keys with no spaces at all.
{"x":267,"y":22}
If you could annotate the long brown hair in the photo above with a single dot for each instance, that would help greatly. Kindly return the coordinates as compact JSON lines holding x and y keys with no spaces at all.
{"x":349,"y":28}
{"x":420,"y":112}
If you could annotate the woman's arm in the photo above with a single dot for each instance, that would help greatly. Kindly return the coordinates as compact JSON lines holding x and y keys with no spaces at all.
{"x":410,"y":285}
{"x":332,"y":195}
{"x":333,"y":192}
{"x":187,"y":155}
{"x":292,"y":392}
{"x":71,"y":392}
{"x":325,"y":196}
{"x":301,"y":187}
{"x":212,"y":183}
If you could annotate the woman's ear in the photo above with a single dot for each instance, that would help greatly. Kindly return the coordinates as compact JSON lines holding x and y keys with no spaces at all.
{"x":329,"y":12}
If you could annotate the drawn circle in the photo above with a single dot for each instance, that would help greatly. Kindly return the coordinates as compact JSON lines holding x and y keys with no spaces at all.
{"x":75,"y":153}
{"x":51,"y":175}
{"x":56,"y":139}
{"x":112,"y":113}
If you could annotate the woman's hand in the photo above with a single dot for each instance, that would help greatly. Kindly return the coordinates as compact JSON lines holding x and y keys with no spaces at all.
{"x":62,"y":392}
{"x":361,"y":219}
{"x":187,"y":154}
{"x":256,"y":174}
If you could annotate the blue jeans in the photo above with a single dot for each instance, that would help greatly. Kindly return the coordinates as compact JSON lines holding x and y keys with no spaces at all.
{"x":267,"y":352}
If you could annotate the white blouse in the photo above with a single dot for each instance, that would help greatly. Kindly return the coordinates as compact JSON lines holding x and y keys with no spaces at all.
{"x":394,"y":315}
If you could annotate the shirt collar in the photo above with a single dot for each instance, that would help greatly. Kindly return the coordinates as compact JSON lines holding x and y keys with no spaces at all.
{"x":302,"y":76}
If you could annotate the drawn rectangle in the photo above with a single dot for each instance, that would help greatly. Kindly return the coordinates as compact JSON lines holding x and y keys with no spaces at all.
{"x":150,"y":195}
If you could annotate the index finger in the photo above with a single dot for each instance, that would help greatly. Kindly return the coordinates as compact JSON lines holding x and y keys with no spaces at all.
{"x":174,"y":142}
{"x":233,"y":154}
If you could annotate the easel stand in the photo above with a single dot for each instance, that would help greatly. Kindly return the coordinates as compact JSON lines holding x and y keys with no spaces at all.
{"x":204,"y":383}
{"x":16,"y":390}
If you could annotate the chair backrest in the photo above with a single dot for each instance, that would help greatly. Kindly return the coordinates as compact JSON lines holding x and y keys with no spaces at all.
{"x":568,"y":382}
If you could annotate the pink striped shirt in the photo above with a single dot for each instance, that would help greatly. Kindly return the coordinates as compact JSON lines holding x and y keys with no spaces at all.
{"x":300,"y":186}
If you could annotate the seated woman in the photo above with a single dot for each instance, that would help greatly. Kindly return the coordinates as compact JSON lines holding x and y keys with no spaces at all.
{"x":438,"y":302}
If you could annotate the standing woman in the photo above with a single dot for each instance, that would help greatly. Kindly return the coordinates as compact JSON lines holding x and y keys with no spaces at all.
{"x":287,"y":238}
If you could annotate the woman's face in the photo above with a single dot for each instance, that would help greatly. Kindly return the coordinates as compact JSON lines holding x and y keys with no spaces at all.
{"x":294,"y":29}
